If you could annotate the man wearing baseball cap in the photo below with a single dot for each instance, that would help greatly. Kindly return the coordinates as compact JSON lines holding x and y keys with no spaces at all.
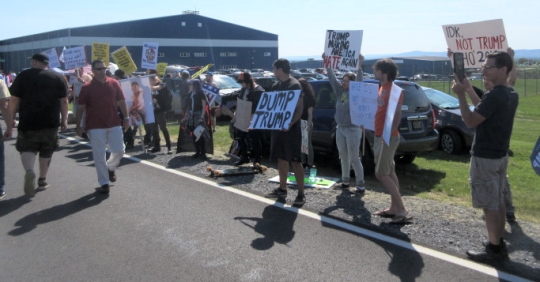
{"x":40,"y":96}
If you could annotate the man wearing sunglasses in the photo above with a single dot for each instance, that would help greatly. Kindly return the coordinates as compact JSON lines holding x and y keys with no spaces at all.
{"x":40,"y":97}
{"x":101,"y":99}
{"x":493,"y":119}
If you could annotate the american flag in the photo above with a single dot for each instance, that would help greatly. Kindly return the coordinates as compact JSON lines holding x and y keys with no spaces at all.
{"x":212,"y":93}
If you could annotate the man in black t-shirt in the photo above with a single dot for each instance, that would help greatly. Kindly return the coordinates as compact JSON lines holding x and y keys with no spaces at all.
{"x":286,"y":143}
{"x":40,"y":97}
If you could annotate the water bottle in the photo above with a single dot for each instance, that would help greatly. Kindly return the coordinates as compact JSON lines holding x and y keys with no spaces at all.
{"x":312,"y":174}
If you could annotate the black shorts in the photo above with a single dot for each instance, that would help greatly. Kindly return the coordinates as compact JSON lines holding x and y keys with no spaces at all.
{"x":287,"y":145}
{"x":44,"y":141}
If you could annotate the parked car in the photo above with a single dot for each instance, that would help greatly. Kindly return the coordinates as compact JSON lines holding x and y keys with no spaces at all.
{"x":417,"y":127}
{"x":454,"y":135}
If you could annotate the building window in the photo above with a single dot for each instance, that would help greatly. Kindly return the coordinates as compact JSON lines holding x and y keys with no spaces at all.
{"x":199,"y":24}
{"x":267,"y":54}
{"x":199,"y":54}
{"x":227,"y":54}
{"x":226,"y":67}
{"x":183,"y":23}
{"x":161,"y":55}
{"x":184,"y":55}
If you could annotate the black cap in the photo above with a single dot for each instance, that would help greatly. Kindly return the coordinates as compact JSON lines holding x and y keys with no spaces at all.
{"x":40,"y":58}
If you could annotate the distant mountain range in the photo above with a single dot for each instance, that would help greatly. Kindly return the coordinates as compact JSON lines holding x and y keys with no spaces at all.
{"x":523,"y":53}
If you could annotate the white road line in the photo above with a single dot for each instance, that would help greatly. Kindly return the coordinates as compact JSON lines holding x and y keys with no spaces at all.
{"x":359,"y":230}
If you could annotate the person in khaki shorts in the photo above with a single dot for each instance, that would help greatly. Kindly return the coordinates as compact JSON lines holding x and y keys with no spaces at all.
{"x":6,"y":115}
{"x":385,"y":70}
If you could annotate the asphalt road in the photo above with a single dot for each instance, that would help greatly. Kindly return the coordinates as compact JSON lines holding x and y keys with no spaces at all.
{"x":161,"y":225}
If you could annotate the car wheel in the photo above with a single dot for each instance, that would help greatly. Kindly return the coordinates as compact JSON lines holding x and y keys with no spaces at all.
{"x":451,"y":142}
{"x":405,"y":158}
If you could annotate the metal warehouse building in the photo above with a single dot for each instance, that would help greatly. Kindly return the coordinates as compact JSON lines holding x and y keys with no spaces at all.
{"x":186,"y":39}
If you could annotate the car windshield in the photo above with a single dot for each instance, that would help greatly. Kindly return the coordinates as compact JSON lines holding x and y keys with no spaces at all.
{"x":441,"y":99}
{"x":226,"y":82}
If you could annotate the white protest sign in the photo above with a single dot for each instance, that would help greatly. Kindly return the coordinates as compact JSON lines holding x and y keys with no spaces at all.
{"x":138,"y":94}
{"x":74,"y":57}
{"x":341,"y":49}
{"x":242,"y":114}
{"x":363,"y":103}
{"x":395,"y":94}
{"x":53,"y":58}
{"x":476,"y":40}
{"x":149,"y":55}
{"x":275,"y":110}
{"x":535,"y":157}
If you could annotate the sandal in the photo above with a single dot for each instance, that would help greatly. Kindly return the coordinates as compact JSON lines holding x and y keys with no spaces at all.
{"x":402,"y":219}
{"x":384,"y":214}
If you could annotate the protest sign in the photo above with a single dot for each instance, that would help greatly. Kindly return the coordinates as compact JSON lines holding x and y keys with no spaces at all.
{"x":149,"y":55}
{"x":363,"y":103}
{"x":305,"y":138}
{"x":211,"y":92}
{"x":242,"y":114}
{"x":54,"y":62}
{"x":123,"y":60}
{"x":476,"y":40}
{"x":160,"y":68}
{"x":75,"y":57}
{"x":395,"y":95}
{"x":275,"y":110}
{"x":196,"y":74}
{"x":138,"y":94}
{"x":100,"y":51}
{"x":341,"y":49}
{"x":535,"y":157}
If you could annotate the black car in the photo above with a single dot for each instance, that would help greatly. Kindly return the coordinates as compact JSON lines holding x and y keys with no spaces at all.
{"x":455,"y":136}
{"x":417,"y":127}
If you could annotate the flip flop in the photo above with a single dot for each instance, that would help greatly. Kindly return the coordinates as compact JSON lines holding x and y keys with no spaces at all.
{"x":402,"y":219}
{"x":384,"y":214}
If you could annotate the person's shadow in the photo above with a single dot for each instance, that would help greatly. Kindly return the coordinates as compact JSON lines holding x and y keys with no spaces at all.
{"x":276,"y":226}
{"x":31,"y":221}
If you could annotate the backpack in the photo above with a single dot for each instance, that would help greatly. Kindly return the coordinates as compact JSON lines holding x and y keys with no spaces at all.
{"x":164,"y":99}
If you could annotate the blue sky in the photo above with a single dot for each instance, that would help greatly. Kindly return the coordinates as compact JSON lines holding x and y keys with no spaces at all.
{"x":390,"y":27}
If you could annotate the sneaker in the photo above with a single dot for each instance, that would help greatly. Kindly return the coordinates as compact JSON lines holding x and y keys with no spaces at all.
{"x":112,"y":176}
{"x":300,"y":199}
{"x":343,"y":185}
{"x":29,"y":184}
{"x":104,"y":189}
{"x":277,"y":193}
{"x":2,"y":193}
{"x":504,"y":248}
{"x":196,"y":155}
{"x":42,"y":184}
{"x":155,"y":149}
{"x":360,"y":190}
{"x":169,"y":151}
{"x":488,"y":254}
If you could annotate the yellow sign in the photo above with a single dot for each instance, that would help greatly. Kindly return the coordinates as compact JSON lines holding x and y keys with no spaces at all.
{"x":160,"y":68}
{"x":123,"y":60}
{"x":100,"y":51}
{"x":202,"y":70}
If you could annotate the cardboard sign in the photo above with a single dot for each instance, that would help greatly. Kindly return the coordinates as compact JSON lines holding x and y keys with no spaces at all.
{"x":322,"y":182}
{"x":75,"y":57}
{"x":395,"y":94}
{"x":149,"y":55}
{"x":54,"y":62}
{"x":138,"y":95}
{"x":476,"y":40}
{"x":341,"y":49}
{"x":275,"y":110}
{"x":363,"y":103}
{"x":242,"y":114}
{"x":123,"y":60}
{"x":100,"y":51}
{"x":535,"y":157}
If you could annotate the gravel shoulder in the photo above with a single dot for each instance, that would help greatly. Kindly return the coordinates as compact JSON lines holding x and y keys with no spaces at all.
{"x":445,"y":227}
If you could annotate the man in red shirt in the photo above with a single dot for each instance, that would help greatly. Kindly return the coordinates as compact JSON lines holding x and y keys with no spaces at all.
{"x":385,"y":70}
{"x":100,"y":98}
